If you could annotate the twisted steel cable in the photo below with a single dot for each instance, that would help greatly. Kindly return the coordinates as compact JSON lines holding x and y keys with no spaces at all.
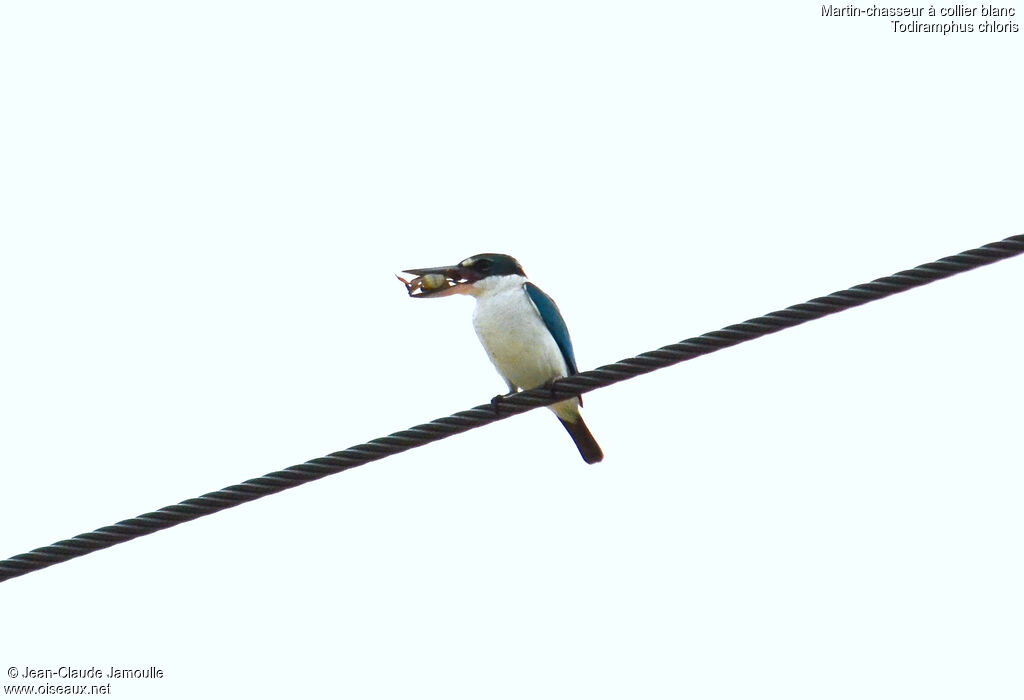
{"x":509,"y":406}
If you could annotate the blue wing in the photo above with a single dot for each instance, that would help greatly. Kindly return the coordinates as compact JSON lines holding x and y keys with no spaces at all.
{"x":552,"y":318}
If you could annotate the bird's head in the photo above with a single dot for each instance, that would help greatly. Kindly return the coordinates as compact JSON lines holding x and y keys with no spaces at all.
{"x":463,"y":277}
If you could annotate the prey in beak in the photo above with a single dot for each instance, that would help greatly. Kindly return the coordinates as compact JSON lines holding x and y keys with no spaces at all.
{"x":439,"y":281}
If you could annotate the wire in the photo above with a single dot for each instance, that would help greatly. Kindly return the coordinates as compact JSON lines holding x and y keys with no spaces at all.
{"x":521,"y":402}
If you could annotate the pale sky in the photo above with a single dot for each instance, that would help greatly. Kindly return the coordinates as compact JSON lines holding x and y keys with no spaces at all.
{"x":204,"y":205}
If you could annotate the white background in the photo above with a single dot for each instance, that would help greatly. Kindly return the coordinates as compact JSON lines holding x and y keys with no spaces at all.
{"x":203,"y":205}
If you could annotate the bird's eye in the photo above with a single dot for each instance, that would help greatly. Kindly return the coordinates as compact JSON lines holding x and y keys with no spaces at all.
{"x":483,"y":265}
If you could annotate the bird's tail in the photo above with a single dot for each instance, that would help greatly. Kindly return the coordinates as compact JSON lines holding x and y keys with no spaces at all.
{"x":585,"y":442}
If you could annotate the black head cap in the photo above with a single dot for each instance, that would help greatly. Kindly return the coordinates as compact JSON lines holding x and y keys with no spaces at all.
{"x":492,"y":265}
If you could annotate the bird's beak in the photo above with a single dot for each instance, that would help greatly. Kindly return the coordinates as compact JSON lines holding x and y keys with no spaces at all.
{"x":439,"y":281}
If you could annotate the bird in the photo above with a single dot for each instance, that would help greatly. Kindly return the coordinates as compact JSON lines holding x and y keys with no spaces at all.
{"x":519,"y":326}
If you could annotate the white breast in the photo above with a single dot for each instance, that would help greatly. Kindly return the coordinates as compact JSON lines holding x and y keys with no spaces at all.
{"x":513,"y":333}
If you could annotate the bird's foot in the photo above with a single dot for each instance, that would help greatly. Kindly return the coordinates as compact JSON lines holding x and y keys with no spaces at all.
{"x":551,"y":388}
{"x":496,"y":401}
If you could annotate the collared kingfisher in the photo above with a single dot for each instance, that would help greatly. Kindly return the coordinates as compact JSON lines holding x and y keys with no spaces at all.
{"x":519,"y":326}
